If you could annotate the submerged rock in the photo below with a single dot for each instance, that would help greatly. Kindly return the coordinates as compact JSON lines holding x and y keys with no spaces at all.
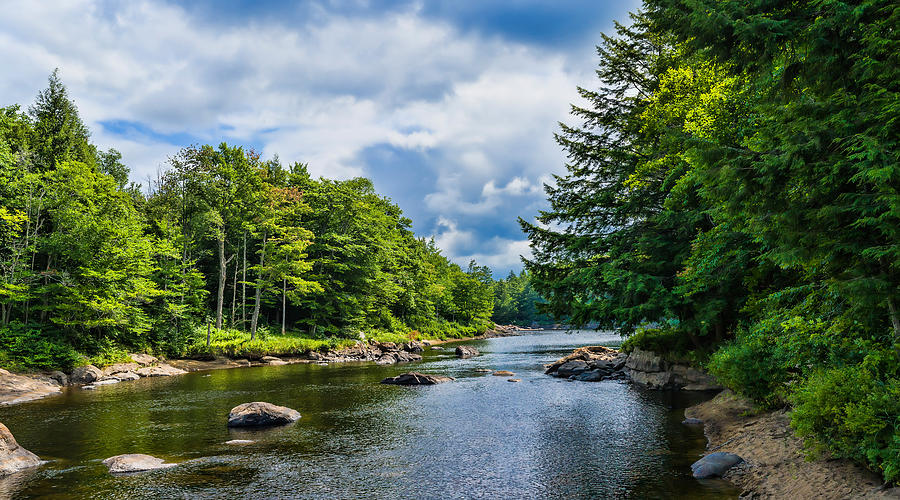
{"x":466,"y":351}
{"x":13,"y":457}
{"x":260,"y":414}
{"x":240,"y":442}
{"x":416,"y":378}
{"x":715,"y":464}
{"x":134,"y":462}
{"x":692,"y":421}
{"x":503,"y":373}
{"x":514,"y":380}
{"x":86,"y":374}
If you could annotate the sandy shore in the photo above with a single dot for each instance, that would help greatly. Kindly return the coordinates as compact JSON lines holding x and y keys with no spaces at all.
{"x":775,"y":463}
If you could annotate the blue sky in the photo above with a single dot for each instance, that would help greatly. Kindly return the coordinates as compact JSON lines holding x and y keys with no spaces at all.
{"x":450,"y":107}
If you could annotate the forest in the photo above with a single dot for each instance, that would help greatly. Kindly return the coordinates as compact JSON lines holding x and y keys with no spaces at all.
{"x":224,"y":252}
{"x":731,"y":198}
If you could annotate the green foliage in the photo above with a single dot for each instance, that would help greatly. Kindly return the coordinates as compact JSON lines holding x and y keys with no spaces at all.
{"x":221,"y":238}
{"x":853,"y":412}
{"x":27,"y":348}
{"x":517,"y":302}
{"x":735,"y":179}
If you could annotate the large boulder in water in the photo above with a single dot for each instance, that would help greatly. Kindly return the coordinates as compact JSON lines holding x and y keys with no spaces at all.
{"x":134,"y":462}
{"x":259,"y":414}
{"x":715,"y":464}
{"x":466,"y":351}
{"x":416,"y":378}
{"x":85,"y":374}
{"x":13,"y":457}
{"x":574,"y":367}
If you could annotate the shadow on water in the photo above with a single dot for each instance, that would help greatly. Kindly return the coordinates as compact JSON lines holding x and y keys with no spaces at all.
{"x":480,"y":436}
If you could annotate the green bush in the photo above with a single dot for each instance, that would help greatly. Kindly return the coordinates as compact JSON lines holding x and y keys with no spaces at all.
{"x":748,"y":365}
{"x":854,"y":411}
{"x":28,"y":348}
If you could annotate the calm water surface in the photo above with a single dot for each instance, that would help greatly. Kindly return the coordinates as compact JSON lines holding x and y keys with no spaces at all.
{"x":478,"y":437}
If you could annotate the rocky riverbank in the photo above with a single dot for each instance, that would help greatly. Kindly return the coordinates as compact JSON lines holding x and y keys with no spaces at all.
{"x":19,"y":388}
{"x":645,"y":368}
{"x":775,"y":464}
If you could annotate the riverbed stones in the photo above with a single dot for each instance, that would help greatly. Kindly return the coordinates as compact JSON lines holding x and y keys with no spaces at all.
{"x":466,"y":351}
{"x":126,"y":376}
{"x":503,"y":373}
{"x":391,"y":358}
{"x":414,"y":347}
{"x":273,"y":361}
{"x":261,"y":414}
{"x":86,"y":374}
{"x":416,"y":378}
{"x":13,"y":457}
{"x":162,"y":370}
{"x":715,"y":464}
{"x":134,"y":462}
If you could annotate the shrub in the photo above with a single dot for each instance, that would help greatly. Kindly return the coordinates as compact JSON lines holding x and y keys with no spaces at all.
{"x":30,"y":348}
{"x":854,"y":411}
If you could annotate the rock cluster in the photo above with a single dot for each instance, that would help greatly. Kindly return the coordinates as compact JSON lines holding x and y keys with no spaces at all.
{"x":385,"y":353}
{"x":503,"y":331}
{"x":416,"y":378}
{"x":13,"y":457}
{"x":650,"y":370}
{"x":142,"y":365}
{"x":466,"y":351}
{"x":590,"y":364}
{"x":260,"y":414}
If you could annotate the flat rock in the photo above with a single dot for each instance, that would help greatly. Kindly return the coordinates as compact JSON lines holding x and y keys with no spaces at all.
{"x":269,"y":359}
{"x":106,"y":381}
{"x":260,"y":414}
{"x":415,"y":378}
{"x":159,"y":371}
{"x":483,"y":370}
{"x":126,"y":376}
{"x":85,"y":374}
{"x":120,"y":367}
{"x":466,"y":351}
{"x":437,"y":348}
{"x":503,"y":373}
{"x":134,"y":462}
{"x":239,"y":442}
{"x":715,"y":464}
{"x":514,"y":380}
{"x":13,"y":457}
{"x":143,"y":359}
{"x":20,"y":388}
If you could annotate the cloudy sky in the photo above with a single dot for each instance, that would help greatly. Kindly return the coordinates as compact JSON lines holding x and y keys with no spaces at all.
{"x":449,"y":106}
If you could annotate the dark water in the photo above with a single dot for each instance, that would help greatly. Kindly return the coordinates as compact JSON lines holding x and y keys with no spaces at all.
{"x":478,"y":437}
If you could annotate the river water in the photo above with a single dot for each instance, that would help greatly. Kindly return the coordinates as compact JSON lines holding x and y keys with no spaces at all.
{"x":477,"y":437}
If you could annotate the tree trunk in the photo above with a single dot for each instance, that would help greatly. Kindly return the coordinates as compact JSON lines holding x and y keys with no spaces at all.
{"x":233,"y":295}
{"x":220,"y":298}
{"x":259,"y":285}
{"x":895,"y":319}
{"x":283,"y":303}
{"x":244,"y":286}
{"x":208,"y":334}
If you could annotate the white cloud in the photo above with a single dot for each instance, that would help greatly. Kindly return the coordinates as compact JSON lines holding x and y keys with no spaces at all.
{"x":320,"y":92}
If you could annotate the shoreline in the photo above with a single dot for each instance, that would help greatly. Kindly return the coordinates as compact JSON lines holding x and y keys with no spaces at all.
{"x":775,"y":463}
{"x":17,"y":388}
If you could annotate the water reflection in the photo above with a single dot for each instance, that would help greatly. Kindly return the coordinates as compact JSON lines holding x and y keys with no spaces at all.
{"x":479,"y":436}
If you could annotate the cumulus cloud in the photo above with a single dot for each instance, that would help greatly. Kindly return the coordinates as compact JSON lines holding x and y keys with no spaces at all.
{"x":479,"y":109}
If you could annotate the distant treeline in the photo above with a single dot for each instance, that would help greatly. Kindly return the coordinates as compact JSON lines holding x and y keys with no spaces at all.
{"x":733,"y":197}
{"x":222,"y":238}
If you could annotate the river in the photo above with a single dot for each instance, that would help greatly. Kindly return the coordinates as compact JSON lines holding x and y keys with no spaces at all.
{"x":477,"y":437}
